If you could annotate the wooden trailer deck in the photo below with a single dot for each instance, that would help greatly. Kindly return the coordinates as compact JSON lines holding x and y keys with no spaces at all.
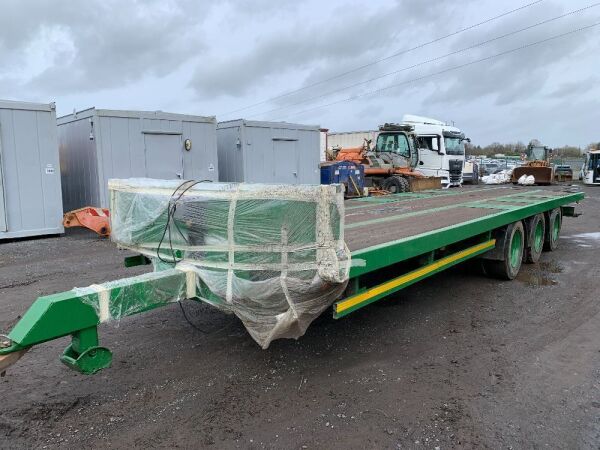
{"x":388,"y":229}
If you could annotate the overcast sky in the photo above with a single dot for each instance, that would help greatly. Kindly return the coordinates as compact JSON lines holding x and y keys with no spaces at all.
{"x":211,"y":58}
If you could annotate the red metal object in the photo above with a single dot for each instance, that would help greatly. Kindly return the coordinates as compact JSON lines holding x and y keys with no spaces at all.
{"x":354,"y":154}
{"x":376,"y":192}
{"x":359,"y":155}
{"x":95,"y":219}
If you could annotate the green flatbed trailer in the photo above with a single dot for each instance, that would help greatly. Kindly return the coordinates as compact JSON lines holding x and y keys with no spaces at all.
{"x":394,"y":240}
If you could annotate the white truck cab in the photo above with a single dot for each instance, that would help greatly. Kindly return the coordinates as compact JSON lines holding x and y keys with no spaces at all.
{"x":441,"y":149}
{"x":590,"y":171}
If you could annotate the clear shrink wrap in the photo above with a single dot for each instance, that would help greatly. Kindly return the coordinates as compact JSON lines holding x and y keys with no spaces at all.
{"x":273,"y":255}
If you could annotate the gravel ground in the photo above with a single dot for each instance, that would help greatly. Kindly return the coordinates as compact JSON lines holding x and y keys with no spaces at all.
{"x":456,"y":361}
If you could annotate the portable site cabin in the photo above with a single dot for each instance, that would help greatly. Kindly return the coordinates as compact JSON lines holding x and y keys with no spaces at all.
{"x":97,"y":145}
{"x":268,"y":152}
{"x":30,"y":195}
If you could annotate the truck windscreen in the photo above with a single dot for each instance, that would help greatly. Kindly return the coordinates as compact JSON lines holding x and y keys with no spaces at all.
{"x":454,"y":146}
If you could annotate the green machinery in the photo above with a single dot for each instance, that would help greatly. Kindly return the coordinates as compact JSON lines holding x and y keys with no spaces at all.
{"x":394,"y":242}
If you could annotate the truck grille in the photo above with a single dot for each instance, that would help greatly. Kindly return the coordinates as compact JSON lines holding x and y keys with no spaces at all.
{"x":455,"y":170}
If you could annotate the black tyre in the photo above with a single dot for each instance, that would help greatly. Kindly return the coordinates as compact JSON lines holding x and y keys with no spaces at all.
{"x":514,"y":245}
{"x":392,"y":185}
{"x":536,"y":235}
{"x":396,"y":185}
{"x":553,"y":225}
{"x":405,"y":184}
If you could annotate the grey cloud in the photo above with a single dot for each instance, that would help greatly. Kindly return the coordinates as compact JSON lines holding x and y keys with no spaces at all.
{"x":574,"y":87}
{"x":319,"y":48}
{"x":242,"y":9}
{"x":517,"y":75}
{"x":210,"y":57}
{"x":558,"y":124}
{"x":112,"y":42}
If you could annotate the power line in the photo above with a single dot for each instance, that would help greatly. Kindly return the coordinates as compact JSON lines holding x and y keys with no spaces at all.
{"x":437,"y":58}
{"x":449,"y":69}
{"x":377,"y":61}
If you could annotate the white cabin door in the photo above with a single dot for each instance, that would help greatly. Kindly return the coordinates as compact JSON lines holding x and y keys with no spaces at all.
{"x":285,"y":166}
{"x":164,"y":155}
{"x":429,"y":152}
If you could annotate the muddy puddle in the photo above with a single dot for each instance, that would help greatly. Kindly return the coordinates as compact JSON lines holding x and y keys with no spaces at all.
{"x":540,"y":274}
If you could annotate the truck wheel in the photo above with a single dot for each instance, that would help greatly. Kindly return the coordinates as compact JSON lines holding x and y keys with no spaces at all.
{"x":536,"y":232}
{"x":395,"y":185}
{"x":553,"y":224}
{"x":509,"y":267}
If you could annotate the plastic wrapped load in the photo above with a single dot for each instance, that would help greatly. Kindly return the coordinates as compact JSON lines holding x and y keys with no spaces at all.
{"x":501,"y":177}
{"x":273,"y":255}
{"x":526,"y":180}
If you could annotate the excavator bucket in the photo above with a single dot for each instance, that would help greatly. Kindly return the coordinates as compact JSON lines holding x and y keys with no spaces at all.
{"x":95,"y":219}
{"x":542,"y":174}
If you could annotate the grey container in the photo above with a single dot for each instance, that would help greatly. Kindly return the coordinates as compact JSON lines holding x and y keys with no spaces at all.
{"x":30,"y":194}
{"x":97,"y":145}
{"x":268,"y":152}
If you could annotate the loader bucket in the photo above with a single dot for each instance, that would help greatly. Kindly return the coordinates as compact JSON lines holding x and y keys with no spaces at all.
{"x":542,"y":175}
{"x":425,"y":183}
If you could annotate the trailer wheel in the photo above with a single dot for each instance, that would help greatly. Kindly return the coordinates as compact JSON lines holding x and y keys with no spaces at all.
{"x":536,"y":233}
{"x":553,"y":225}
{"x":396,"y":185}
{"x":509,"y":266}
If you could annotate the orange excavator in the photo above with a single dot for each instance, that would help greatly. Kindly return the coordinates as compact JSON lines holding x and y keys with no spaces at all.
{"x":390,"y":164}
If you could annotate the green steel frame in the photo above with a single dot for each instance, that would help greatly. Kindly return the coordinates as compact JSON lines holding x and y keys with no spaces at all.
{"x":77,"y":313}
{"x":364,"y":297}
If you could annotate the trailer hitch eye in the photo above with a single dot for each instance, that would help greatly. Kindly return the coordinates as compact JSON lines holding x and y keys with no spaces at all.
{"x":5,"y":341}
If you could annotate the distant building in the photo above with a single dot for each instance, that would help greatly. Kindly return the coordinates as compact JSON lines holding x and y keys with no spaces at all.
{"x":348,"y":139}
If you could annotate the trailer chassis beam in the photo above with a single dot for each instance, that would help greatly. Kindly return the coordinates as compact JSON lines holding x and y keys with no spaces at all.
{"x":77,"y":313}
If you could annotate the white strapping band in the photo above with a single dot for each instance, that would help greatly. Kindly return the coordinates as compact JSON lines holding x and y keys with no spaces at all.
{"x":103,"y":302}
{"x":190,"y":279}
{"x":284,"y":272}
{"x":230,"y":242}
